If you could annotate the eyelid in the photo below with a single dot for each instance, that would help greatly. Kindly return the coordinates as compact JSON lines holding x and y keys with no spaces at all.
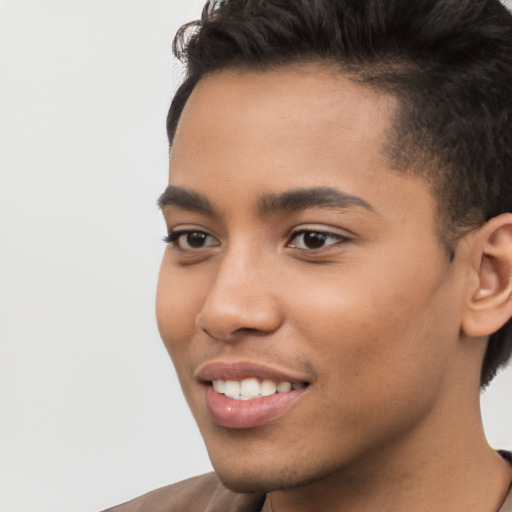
{"x":174,"y":229}
{"x":324,"y":230}
{"x":175,"y":234}
{"x":321,"y":228}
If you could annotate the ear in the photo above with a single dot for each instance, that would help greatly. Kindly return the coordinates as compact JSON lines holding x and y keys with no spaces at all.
{"x":490,"y":301}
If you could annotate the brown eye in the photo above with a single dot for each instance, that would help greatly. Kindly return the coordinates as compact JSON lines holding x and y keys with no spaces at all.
{"x":314,"y":240}
{"x":195,"y":239}
{"x":190,"y":240}
{"x":311,"y":240}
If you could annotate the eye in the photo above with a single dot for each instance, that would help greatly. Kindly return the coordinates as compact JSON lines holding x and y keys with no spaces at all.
{"x":311,"y":240}
{"x":191,"y":240}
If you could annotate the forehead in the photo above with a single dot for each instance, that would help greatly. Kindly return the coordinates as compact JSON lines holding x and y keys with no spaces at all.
{"x":300,"y":113}
{"x":297,"y":89}
{"x":247,"y":134}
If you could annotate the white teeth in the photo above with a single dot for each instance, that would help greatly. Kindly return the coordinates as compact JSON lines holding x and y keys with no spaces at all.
{"x":284,"y":387}
{"x":250,"y":388}
{"x":218,"y":385}
{"x":232,"y":388}
{"x":267,"y":388}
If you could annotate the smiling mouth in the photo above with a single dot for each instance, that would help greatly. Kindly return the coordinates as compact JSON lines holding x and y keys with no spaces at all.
{"x":253,"y":403}
{"x":252,"y":388}
{"x":244,"y":395}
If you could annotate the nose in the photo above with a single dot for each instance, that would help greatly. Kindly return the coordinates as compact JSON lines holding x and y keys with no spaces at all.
{"x":242,"y":299}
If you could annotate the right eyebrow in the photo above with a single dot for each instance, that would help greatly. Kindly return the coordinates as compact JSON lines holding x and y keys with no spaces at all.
{"x":304,"y":198}
{"x":185,"y":199}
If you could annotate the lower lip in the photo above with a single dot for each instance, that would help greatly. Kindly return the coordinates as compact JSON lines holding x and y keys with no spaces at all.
{"x":231,"y":413}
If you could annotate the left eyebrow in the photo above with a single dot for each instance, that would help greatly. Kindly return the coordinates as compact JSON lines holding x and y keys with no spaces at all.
{"x":304,"y":198}
{"x":185,"y":199}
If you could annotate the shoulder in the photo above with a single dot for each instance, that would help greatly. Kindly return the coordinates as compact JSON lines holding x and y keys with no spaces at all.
{"x":203,"y":493}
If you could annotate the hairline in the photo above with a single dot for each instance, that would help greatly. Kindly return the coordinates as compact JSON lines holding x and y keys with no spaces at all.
{"x":447,"y":232}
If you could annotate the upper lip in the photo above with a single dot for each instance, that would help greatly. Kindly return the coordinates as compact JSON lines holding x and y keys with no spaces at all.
{"x":223,"y":370}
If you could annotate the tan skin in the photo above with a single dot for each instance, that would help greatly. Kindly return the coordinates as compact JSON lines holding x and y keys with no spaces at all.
{"x":388,"y":333}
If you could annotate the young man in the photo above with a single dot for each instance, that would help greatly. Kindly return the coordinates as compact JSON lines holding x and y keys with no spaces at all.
{"x":338,"y":279}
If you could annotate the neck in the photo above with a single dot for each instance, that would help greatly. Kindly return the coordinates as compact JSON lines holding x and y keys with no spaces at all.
{"x":456,"y":471}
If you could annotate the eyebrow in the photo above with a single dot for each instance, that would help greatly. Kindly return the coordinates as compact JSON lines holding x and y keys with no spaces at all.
{"x":292,"y":200}
{"x":186,"y":199}
{"x":304,"y":198}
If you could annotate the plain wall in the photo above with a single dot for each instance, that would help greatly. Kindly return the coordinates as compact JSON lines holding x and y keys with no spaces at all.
{"x":91,"y":412}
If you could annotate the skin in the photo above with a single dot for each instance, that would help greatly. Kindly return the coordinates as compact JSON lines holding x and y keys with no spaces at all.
{"x":374,"y":319}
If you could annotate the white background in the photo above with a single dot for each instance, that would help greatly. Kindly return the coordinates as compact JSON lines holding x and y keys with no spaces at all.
{"x":91,"y":413}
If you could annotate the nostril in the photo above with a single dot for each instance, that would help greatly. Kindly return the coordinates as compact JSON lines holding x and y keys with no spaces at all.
{"x":240,"y":331}
{"x":206,"y":332}
{"x":248,"y":330}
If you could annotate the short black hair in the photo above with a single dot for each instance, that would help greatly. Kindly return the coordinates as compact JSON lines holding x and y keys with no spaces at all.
{"x":448,"y":62}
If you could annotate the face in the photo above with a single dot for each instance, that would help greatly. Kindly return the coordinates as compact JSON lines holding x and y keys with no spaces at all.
{"x":303,"y":278}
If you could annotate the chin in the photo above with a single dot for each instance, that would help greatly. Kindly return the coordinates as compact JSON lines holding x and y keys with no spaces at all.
{"x":245,"y":484}
{"x":244,"y":480}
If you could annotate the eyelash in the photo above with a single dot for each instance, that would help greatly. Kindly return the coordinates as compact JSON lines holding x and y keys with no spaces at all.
{"x":174,"y":237}
{"x":324,"y":235}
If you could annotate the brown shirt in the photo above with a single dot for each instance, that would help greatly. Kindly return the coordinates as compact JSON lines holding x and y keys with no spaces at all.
{"x":202,"y":493}
{"x":205,"y":493}
{"x":507,"y":505}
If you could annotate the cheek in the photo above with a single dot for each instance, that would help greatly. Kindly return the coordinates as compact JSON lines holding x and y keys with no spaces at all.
{"x":178,"y":301}
{"x":374,"y":332}
{"x":379,"y":362}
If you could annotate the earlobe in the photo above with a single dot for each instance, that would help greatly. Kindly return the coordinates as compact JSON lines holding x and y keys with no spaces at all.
{"x":490,"y":302}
